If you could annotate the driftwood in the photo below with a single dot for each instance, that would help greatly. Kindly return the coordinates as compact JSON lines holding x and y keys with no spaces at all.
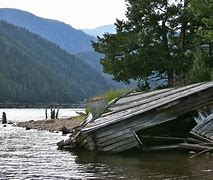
{"x":194,"y":146}
{"x":164,"y":138}
{"x":162,"y":147}
{"x":200,"y":137}
{"x":204,"y":151}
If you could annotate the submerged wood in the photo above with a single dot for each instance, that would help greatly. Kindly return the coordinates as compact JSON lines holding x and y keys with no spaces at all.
{"x":204,"y":151}
{"x":162,"y":147}
{"x":194,"y":146}
{"x":116,"y":129}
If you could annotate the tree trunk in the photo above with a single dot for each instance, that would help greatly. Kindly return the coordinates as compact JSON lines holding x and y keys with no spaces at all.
{"x":170,"y":78}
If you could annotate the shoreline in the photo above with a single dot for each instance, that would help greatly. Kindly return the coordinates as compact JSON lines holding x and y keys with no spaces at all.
{"x":53,"y":125}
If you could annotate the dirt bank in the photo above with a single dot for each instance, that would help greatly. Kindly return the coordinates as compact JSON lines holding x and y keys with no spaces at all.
{"x":53,"y":124}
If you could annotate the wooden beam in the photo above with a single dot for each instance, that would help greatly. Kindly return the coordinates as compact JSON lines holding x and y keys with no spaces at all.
{"x":200,"y":137}
{"x":194,"y":146}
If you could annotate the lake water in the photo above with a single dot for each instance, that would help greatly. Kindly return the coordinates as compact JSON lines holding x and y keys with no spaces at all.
{"x":33,"y":155}
{"x":19,"y":115}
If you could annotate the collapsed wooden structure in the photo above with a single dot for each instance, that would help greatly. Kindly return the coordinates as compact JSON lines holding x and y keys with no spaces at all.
{"x":161,"y":119}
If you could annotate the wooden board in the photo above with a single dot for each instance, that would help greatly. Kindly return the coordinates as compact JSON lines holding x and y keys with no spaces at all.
{"x":189,"y":104}
{"x":205,"y":128}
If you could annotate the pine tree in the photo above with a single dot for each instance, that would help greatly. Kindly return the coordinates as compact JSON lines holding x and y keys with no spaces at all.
{"x":156,"y":42}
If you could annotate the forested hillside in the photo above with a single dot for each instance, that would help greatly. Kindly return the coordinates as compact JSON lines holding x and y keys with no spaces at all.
{"x":73,"y":41}
{"x":68,"y":38}
{"x":92,"y":58}
{"x":35,"y":70}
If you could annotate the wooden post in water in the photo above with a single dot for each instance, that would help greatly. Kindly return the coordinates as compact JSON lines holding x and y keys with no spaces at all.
{"x":52,"y":115}
{"x":4,"y":118}
{"x":56,"y":116}
{"x":46,"y":113}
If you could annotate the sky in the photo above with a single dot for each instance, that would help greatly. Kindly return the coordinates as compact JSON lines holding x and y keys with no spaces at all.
{"x":78,"y":13}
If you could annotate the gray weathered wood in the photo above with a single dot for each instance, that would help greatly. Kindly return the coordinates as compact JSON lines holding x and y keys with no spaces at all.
{"x":115,"y":139}
{"x":194,"y":103}
{"x":115,"y":130}
{"x":119,"y":144}
{"x":193,"y":146}
{"x":162,"y":147}
{"x":200,"y":137}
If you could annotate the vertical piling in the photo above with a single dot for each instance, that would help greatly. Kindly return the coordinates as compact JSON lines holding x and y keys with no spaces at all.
{"x":4,"y":118}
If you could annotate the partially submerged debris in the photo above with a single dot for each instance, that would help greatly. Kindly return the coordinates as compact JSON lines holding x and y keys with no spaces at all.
{"x":157,"y":120}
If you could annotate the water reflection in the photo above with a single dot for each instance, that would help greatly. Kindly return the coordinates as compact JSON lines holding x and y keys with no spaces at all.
{"x":33,"y":155}
{"x":155,"y":165}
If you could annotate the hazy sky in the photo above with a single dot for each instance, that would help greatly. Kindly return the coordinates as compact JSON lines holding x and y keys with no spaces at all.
{"x":77,"y":13}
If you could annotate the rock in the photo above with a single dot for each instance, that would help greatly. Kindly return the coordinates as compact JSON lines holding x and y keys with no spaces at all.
{"x":28,"y":128}
{"x":60,"y":144}
{"x":191,"y":152}
{"x":65,"y":130}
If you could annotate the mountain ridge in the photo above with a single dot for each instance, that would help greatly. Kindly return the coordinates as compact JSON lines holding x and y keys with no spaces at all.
{"x":100,"y":30}
{"x":52,"y":30}
{"x":35,"y":70}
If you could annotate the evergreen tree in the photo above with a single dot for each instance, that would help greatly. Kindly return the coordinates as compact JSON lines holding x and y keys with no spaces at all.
{"x":158,"y":41}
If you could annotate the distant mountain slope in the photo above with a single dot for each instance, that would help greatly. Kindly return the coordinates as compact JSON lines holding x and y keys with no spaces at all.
{"x":99,"y":31}
{"x":64,"y":35}
{"x":93,"y":60}
{"x":72,"y":40}
{"x":35,"y":70}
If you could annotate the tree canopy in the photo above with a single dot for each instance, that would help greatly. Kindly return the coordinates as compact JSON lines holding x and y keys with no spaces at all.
{"x":160,"y":40}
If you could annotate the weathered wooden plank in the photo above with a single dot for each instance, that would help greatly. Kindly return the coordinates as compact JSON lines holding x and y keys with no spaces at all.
{"x":91,"y":143}
{"x":198,"y":127}
{"x":85,"y":146}
{"x":203,"y":128}
{"x":141,"y":95}
{"x":209,"y":133}
{"x":138,"y":123}
{"x":208,"y":129}
{"x":140,"y":101}
{"x":115,"y":139}
{"x":200,"y":137}
{"x":132,"y":99}
{"x":133,"y":124}
{"x":126,"y":146}
{"x":194,"y":103}
{"x":209,"y":118}
{"x":122,"y":133}
{"x":114,"y":135}
{"x":193,"y":146}
{"x":120,"y":144}
{"x":162,"y":147}
{"x":164,"y":138}
{"x":149,"y":94}
{"x":193,"y":140}
{"x":130,"y":127}
{"x":141,"y":109}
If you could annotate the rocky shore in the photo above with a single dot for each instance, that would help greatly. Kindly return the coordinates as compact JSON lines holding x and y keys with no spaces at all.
{"x":54,"y":125}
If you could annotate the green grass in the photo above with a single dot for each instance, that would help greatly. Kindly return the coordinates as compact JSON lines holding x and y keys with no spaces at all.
{"x":110,"y":95}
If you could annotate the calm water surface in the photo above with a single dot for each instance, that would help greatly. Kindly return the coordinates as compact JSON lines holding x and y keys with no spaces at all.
{"x":17,"y":114}
{"x":34,"y":155}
